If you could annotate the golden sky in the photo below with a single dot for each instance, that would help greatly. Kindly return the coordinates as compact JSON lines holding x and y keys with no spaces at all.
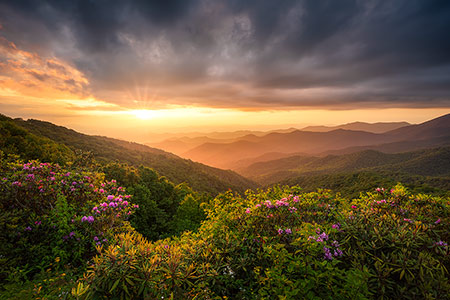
{"x":136,"y":68}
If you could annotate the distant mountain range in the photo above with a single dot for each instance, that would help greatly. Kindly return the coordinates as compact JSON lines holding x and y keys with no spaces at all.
{"x":180,"y":145}
{"x":199,"y":176}
{"x":433,"y":133}
{"x":379,"y":127}
{"x":429,"y":162}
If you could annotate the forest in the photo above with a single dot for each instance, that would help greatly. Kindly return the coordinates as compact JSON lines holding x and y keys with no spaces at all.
{"x":78,"y":223}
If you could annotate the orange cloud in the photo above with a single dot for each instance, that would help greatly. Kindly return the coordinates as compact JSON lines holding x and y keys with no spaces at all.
{"x":28,"y":74}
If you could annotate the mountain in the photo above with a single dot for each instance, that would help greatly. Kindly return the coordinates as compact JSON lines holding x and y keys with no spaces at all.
{"x":226,"y":155}
{"x":430,"y":162}
{"x":379,"y":127}
{"x":200,"y":177}
{"x":181,"y":145}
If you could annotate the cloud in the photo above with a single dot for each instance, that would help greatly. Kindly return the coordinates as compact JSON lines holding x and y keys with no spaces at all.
{"x":29,"y":74}
{"x":240,"y":54}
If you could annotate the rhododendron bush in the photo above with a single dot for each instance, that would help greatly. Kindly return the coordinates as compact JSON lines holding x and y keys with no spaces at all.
{"x":283,"y":243}
{"x":48,"y":212}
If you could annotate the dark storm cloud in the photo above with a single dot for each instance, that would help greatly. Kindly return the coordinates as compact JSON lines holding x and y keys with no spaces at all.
{"x":247,"y":53}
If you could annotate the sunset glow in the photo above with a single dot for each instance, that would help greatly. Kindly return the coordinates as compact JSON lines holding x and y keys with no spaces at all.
{"x":226,"y":72}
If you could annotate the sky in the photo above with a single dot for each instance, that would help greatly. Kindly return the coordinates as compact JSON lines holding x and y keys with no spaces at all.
{"x":130,"y":68}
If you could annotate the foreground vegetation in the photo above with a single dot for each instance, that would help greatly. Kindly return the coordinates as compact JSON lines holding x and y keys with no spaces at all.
{"x":77,"y":227}
{"x":67,"y":234}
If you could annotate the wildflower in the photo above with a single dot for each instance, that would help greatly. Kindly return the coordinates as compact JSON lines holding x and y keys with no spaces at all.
{"x":354,"y":207}
{"x":52,"y":178}
{"x":28,"y":228}
{"x":280,"y":231}
{"x":71,"y":234}
{"x":96,"y":238}
{"x":324,"y":236}
{"x":110,"y":197}
{"x":335,"y":244}
{"x":288,"y":231}
{"x":38,"y":223}
{"x":102,"y":191}
{"x":338,"y":252}
{"x":407,"y":220}
{"x":30,"y":176}
{"x":258,"y":205}
{"x":336,"y":226}
{"x":296,"y":199}
{"x":437,"y":221}
{"x":292,"y":209}
{"x":247,"y":211}
{"x":441,"y":243}
{"x":327,"y":253}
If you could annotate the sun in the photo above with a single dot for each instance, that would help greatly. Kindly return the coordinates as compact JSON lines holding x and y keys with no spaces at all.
{"x":143,"y":114}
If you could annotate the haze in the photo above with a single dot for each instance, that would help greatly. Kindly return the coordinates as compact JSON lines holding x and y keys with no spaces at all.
{"x":132,"y":69}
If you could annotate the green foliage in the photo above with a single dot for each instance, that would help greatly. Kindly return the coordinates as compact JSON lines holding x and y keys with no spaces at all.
{"x":200,"y":177}
{"x":49,"y":213}
{"x":164,"y":208}
{"x":293,"y":245}
{"x":17,"y":140}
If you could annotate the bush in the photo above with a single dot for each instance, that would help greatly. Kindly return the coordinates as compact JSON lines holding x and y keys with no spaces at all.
{"x":386,"y":245}
{"x":49,"y":213}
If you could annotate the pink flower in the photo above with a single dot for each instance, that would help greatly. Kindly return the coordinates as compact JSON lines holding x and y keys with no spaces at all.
{"x":288,"y":231}
{"x":354,"y":207}
{"x":280,"y":231}
{"x":437,"y":221}
{"x":247,"y":211}
{"x":110,"y":197}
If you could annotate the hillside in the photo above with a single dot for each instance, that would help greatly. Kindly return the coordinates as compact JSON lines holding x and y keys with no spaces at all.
{"x":180,"y":145}
{"x":200,"y":177}
{"x":379,"y":127}
{"x":432,"y":133}
{"x":430,"y":162}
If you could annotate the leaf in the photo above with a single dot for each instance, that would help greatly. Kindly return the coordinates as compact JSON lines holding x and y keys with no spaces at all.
{"x":114,"y":285}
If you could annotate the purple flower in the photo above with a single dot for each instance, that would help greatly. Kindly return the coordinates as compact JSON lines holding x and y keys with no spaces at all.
{"x":288,"y":231}
{"x":110,"y":197}
{"x":336,"y":226}
{"x":28,"y":228}
{"x":441,"y":243}
{"x":335,"y":244}
{"x":95,"y":238}
{"x":437,"y":221}
{"x":280,"y":231}
{"x":71,"y":234}
{"x":324,"y":236}
{"x":38,"y":223}
{"x":327,"y":253}
{"x":338,"y":252}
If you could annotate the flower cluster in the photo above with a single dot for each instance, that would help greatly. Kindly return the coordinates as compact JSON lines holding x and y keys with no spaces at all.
{"x":286,"y":231}
{"x":89,"y":219}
